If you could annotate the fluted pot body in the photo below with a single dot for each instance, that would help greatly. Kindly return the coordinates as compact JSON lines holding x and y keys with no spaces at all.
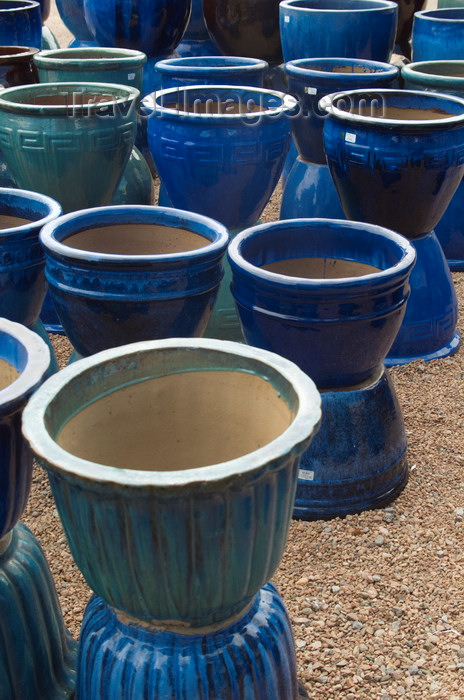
{"x":211,"y":70}
{"x":88,"y":64}
{"x":24,"y":363}
{"x":245,"y":28}
{"x":329,"y":295}
{"x":22,"y":261}
{"x":152,"y":26}
{"x":54,"y":135}
{"x":438,"y":35}
{"x":187,"y":521}
{"x":20,"y":23}
{"x":123,"y":274}
{"x":220,"y":150}
{"x":341,"y":28}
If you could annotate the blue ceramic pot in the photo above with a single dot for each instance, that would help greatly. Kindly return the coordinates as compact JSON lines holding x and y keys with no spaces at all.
{"x":396,"y":159}
{"x":438,"y":35}
{"x":56,"y":134}
{"x":172,"y":457}
{"x":341,"y":28}
{"x":222,"y":152}
{"x":22,"y":268}
{"x":196,"y":40}
{"x":211,"y":70}
{"x":123,"y":274}
{"x":72,"y":16}
{"x":329,"y":295}
{"x":152,"y":26}
{"x":20,"y":23}
{"x":253,"y":657}
{"x":24,"y":365}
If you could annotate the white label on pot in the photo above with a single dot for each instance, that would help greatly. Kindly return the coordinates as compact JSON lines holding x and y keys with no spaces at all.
{"x":131,"y":76}
{"x":286,"y":18}
{"x":351,"y":138}
{"x":306,"y":475}
{"x":310,"y":90}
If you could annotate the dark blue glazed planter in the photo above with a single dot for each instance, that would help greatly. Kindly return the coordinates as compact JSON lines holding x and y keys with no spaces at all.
{"x":20,"y":23}
{"x":438,"y":35}
{"x":72,"y":16}
{"x":213,"y":158}
{"x":309,"y":190}
{"x":251,"y":658}
{"x":341,"y":28}
{"x":404,"y":183}
{"x":123,"y":274}
{"x":196,"y":40}
{"x":211,"y":70}
{"x":329,"y":295}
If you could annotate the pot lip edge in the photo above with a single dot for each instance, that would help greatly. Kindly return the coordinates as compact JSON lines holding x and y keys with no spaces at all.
{"x":37,"y":363}
{"x":286,"y":5}
{"x":55,"y":458}
{"x":54,"y":213}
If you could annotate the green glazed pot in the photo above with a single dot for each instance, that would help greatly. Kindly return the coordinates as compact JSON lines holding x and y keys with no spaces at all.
{"x":70,"y":141}
{"x":174,"y":465}
{"x":88,"y":64}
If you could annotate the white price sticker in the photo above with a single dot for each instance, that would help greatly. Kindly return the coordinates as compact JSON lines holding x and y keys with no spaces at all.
{"x":131,"y":76}
{"x":351,"y":138}
{"x":306,"y":475}
{"x":310,"y":91}
{"x":286,"y":18}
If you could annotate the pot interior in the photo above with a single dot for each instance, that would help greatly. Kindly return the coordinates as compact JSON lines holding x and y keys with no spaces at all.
{"x":178,"y":421}
{"x":7,"y":221}
{"x":70,"y":99}
{"x":215,"y":106}
{"x":320,"y":268}
{"x":136,"y":239}
{"x":8,"y":374}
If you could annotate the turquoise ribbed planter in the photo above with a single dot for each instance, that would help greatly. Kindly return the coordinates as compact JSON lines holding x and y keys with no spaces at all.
{"x":174,"y":465}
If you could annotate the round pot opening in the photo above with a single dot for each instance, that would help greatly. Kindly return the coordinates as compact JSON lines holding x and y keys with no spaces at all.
{"x":8,"y":374}
{"x":320,"y":268}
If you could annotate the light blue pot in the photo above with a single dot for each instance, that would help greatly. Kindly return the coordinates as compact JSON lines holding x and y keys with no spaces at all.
{"x":188,"y":536}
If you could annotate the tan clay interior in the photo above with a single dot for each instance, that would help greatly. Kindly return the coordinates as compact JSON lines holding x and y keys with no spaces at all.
{"x":181,"y":421}
{"x":345,"y":69}
{"x":7,"y":221}
{"x":71,"y":99}
{"x":8,"y":374}
{"x":400,"y":113}
{"x":136,"y":239}
{"x":216,"y":107}
{"x":320,"y":268}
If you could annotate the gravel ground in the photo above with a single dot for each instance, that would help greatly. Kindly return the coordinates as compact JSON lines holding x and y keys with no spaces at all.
{"x":377,"y":599}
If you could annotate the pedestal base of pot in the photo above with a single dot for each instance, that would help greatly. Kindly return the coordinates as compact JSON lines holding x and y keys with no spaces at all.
{"x":49,"y":41}
{"x":195,"y":47}
{"x":357,"y":460}
{"x":428,"y":331}
{"x":252,"y":657}
{"x":37,"y":654}
{"x":450,"y":231}
{"x":309,"y":192}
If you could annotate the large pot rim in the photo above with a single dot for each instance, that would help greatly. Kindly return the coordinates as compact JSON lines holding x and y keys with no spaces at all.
{"x":37,"y":363}
{"x":29,"y":196}
{"x":303,"y":68}
{"x":376,"y":6}
{"x":104,"y":58}
{"x":413,"y":71}
{"x":78,"y":221}
{"x":327,"y":103}
{"x":230,"y":64}
{"x":300,"y":430}
{"x":322,"y":286}
{"x":19,"y":52}
{"x":19,"y":5}
{"x":435,"y":14}
{"x":287,"y":104}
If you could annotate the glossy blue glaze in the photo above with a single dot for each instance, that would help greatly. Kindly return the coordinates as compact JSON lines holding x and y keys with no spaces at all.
{"x":27,"y":355}
{"x":72,"y":16}
{"x":222,"y":165}
{"x":429,"y":330}
{"x":348,"y":28}
{"x":149,"y":285}
{"x":152,"y":26}
{"x":196,"y":40}
{"x":211,"y":70}
{"x":20,"y":23}
{"x":22,"y":262}
{"x":335,"y":325}
{"x":438,"y":34}
{"x":357,"y":460}
{"x":309,"y":192}
{"x":37,"y":653}
{"x":251,"y":658}
{"x":150,"y":540}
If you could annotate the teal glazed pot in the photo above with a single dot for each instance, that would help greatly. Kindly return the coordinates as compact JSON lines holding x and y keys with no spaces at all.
{"x":185,"y":529}
{"x":20,"y":23}
{"x":340,"y":28}
{"x":54,"y":135}
{"x":438,"y":35}
{"x":118,"y":275}
{"x":445,"y":77}
{"x":104,"y":65}
{"x":220,"y":150}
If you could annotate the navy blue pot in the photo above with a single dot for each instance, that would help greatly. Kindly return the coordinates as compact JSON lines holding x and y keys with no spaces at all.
{"x":225,"y":163}
{"x":211,"y":70}
{"x":438,"y":35}
{"x":329,"y":295}
{"x":252,"y":657}
{"x":196,"y":40}
{"x":348,"y":28}
{"x":122,"y":274}
{"x":20,"y":23}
